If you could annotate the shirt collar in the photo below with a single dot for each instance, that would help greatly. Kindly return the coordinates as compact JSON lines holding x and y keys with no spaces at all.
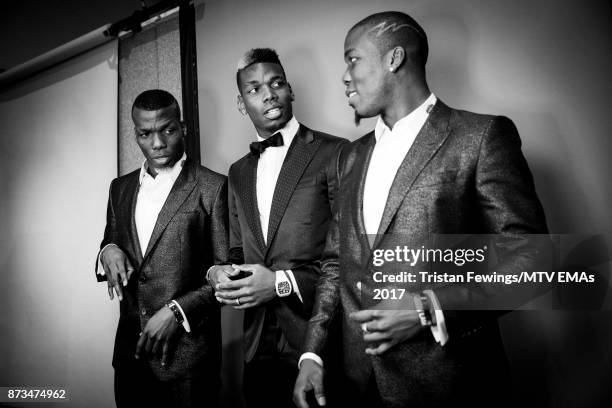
{"x":173,"y":172}
{"x":288,"y":131}
{"x":414,"y":116}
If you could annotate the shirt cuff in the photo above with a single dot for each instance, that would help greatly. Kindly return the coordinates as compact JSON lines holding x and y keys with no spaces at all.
{"x":439,"y":329}
{"x":185,"y":322}
{"x":208,"y":275}
{"x":100,"y":270}
{"x":310,"y":356}
{"x":294,"y":285}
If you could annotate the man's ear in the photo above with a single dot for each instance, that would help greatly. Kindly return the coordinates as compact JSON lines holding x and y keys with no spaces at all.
{"x":183,"y":128}
{"x":396,"y":58}
{"x":291,"y":92}
{"x":240,"y":105}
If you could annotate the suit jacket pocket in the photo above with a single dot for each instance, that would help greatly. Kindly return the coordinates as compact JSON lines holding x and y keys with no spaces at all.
{"x":182,"y":216}
{"x":436,"y":178}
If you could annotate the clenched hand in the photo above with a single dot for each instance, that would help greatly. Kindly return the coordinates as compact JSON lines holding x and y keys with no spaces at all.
{"x":157,"y":335}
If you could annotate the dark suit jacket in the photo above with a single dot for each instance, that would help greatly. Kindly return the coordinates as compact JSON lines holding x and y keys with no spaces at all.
{"x":464,"y":174}
{"x":299,"y":218}
{"x":189,"y":236}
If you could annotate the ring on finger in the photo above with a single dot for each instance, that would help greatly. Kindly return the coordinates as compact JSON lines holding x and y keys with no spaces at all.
{"x":237,"y":301}
{"x":364,"y":327}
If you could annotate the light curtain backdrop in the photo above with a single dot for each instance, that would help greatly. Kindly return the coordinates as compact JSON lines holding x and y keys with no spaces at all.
{"x":58,"y":154}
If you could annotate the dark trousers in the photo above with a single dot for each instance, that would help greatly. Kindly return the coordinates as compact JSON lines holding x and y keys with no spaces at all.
{"x":137,"y":386}
{"x":350,"y":395}
{"x":269,"y":382}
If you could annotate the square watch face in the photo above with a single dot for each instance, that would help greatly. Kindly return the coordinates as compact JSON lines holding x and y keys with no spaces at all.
{"x":284,"y":288}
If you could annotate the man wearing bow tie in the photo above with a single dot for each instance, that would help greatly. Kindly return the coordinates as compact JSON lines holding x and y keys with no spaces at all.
{"x":281,"y":196}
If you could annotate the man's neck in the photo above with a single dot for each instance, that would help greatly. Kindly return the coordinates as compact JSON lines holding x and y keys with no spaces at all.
{"x":403,"y":103}
{"x":264,"y":134}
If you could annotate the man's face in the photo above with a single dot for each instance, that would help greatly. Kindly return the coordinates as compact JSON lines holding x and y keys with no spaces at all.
{"x":365,"y":75}
{"x":266,"y":96}
{"x":160,"y":136}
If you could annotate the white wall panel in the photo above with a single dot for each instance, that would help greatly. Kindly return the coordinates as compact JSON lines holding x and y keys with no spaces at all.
{"x":58,"y":154}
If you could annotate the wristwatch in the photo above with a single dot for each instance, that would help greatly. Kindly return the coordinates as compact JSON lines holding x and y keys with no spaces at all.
{"x":283,"y":284}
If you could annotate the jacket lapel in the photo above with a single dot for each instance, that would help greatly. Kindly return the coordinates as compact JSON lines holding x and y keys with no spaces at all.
{"x":183,"y":186}
{"x":427,"y":142}
{"x":133,"y":232}
{"x":247,"y":191}
{"x":298,"y":157}
{"x":361,"y":170}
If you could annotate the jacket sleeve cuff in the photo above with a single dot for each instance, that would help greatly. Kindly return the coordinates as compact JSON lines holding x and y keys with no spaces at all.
{"x":438,"y":330}
{"x":294,"y":284}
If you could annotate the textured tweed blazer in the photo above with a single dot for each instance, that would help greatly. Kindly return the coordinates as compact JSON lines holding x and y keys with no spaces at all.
{"x":299,"y":218}
{"x":464,"y":174}
{"x":190,"y":235}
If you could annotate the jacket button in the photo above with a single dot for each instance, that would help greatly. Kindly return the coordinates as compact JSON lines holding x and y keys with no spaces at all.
{"x":142,"y":278}
{"x":358,"y":284}
{"x":143,"y":312}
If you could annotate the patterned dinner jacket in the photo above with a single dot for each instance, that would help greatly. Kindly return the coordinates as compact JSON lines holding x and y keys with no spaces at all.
{"x":464,"y":174}
{"x":299,"y":218}
{"x":190,"y":235}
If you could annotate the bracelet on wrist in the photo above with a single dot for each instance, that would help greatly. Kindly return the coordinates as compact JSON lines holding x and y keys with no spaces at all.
{"x":421,"y":305}
{"x":178,"y":316}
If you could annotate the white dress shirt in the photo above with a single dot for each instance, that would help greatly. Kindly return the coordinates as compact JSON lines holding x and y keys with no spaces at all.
{"x":392,"y":146}
{"x":152,"y":195}
{"x":268,"y":168}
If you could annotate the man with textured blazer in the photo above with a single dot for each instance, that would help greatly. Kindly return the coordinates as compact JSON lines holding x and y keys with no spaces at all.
{"x":166,"y":225}
{"x":426,"y":169}
{"x":281,"y":196}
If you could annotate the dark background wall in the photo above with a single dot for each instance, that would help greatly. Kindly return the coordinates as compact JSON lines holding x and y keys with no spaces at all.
{"x":30,"y":28}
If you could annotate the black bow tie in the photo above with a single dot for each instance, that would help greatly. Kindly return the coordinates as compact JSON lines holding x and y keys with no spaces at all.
{"x":275,"y":140}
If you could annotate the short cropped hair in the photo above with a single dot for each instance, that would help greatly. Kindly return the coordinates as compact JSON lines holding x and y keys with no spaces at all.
{"x":156,"y":99}
{"x":255,"y":56}
{"x":390,"y":29}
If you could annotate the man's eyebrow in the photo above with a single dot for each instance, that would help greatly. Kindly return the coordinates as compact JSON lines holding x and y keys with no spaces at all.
{"x":347,"y":52}
{"x":163,"y":126}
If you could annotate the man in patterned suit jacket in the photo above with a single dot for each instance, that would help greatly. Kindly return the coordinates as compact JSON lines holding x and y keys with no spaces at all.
{"x":427,"y":169}
{"x":281,"y":196}
{"x":166,"y":225}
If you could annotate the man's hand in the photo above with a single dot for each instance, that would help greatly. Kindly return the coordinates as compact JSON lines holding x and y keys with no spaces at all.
{"x":310,"y":378}
{"x":157,"y":335}
{"x":118,"y":269}
{"x":254,"y":290}
{"x":385,"y":327}
{"x":221,"y":273}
